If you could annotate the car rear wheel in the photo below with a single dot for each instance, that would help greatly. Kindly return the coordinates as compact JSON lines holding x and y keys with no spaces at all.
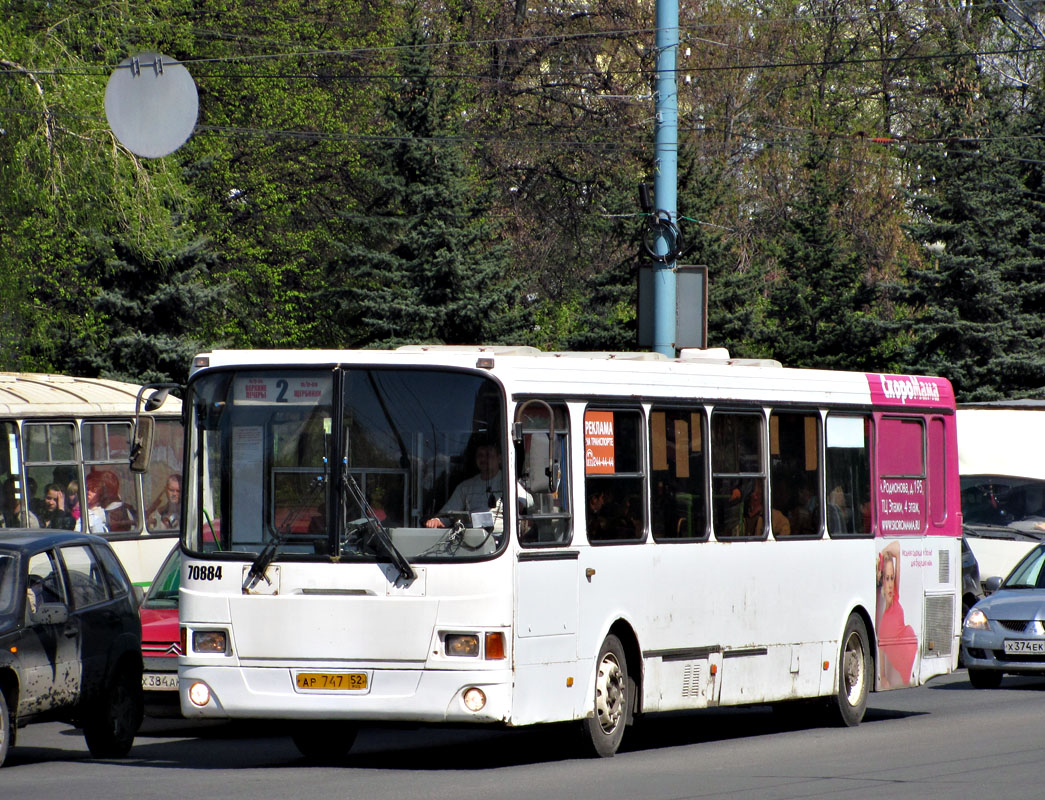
{"x":112,"y":724}
{"x":984,"y":678}
{"x":324,"y":741}
{"x":5,"y":729}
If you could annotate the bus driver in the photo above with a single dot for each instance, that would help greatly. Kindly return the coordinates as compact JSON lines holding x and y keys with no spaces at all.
{"x":482,"y":492}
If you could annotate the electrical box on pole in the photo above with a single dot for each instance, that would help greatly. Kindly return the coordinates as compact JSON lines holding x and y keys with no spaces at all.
{"x":691,"y":306}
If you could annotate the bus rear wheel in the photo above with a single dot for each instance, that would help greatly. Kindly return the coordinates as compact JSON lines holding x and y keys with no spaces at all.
{"x":854,"y":673}
{"x":324,"y":741}
{"x":604,"y":730}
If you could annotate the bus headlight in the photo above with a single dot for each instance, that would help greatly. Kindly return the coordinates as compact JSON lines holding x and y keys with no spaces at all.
{"x":199,"y":694}
{"x":474,"y":699}
{"x":462,"y":644}
{"x":209,"y":642}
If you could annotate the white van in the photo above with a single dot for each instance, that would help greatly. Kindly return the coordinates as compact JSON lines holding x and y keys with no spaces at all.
{"x":1001,"y":461}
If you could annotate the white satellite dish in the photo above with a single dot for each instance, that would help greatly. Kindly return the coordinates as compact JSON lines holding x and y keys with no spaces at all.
{"x":151,"y":104}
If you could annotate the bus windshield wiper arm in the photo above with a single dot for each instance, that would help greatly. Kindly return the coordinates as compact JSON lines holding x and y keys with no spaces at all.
{"x":378,"y":535}
{"x":261,"y":563}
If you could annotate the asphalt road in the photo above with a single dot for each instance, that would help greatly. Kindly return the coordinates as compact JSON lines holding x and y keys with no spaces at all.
{"x":944,"y":740}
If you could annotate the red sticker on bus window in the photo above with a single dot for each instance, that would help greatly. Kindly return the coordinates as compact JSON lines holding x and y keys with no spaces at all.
{"x":598,"y":443}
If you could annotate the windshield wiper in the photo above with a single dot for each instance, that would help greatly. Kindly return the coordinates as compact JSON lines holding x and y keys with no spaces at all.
{"x":378,"y":536}
{"x":261,"y":564}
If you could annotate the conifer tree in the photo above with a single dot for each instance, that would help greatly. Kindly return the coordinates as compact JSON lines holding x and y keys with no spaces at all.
{"x":155,"y":313}
{"x":427,"y":266}
{"x":818,"y":301}
{"x":980,"y":291}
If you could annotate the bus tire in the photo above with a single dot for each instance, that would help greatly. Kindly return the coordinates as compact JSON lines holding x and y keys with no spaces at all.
{"x":324,"y":741}
{"x":985,"y":678}
{"x":110,"y":728}
{"x":854,"y":673}
{"x":604,"y":730}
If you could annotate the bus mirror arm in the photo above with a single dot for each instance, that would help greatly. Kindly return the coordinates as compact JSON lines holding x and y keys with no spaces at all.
{"x":141,"y":436}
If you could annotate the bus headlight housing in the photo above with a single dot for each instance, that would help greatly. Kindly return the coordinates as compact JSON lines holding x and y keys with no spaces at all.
{"x":210,"y":642}
{"x":489,"y":645}
{"x":462,"y":644}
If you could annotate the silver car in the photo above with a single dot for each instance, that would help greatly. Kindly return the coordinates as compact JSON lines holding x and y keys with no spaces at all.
{"x":1005,"y":632}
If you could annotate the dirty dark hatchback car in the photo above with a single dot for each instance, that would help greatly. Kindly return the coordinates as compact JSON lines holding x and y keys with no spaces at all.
{"x":70,"y":640}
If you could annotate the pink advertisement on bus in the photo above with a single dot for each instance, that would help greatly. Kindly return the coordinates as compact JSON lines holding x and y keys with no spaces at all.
{"x":910,"y":390}
{"x":897,"y":636}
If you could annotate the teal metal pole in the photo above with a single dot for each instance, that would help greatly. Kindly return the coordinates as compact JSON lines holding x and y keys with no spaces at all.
{"x":665,"y":182}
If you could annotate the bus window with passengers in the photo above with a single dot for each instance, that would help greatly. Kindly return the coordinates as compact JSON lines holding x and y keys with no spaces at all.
{"x":65,"y":464}
{"x":346,"y":464}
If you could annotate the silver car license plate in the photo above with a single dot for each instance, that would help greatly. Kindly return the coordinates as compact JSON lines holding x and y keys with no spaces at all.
{"x":1015,"y":647}
{"x":160,"y":681}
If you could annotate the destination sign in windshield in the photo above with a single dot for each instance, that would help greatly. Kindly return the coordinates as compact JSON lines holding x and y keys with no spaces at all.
{"x":282,"y":389}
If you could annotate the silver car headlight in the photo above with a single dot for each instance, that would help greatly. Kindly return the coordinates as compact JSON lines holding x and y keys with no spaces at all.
{"x":977,"y":621}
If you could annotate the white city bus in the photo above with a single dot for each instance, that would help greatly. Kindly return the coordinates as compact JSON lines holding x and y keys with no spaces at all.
{"x":64,"y":434}
{"x":667,"y":534}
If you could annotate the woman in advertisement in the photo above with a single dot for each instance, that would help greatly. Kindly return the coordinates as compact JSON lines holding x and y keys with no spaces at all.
{"x":897,"y":641}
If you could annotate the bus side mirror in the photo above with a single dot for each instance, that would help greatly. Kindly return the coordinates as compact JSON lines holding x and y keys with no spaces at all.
{"x":141,"y":444}
{"x":156,"y":399}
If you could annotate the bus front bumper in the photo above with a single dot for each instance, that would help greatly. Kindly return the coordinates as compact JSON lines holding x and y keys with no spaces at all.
{"x":390,"y":695}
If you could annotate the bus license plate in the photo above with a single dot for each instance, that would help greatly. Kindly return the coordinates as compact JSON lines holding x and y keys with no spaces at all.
{"x":1021,"y":646}
{"x":332,"y":681}
{"x":160,"y":681}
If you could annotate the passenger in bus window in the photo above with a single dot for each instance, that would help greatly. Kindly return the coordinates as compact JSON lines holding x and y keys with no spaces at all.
{"x":165,"y":511}
{"x":598,"y":520}
{"x":96,"y":522}
{"x":11,"y":514}
{"x":802,"y":517}
{"x":119,"y":516}
{"x":837,"y":511}
{"x":33,"y":503}
{"x":54,"y":514}
{"x":72,"y":501}
{"x":754,"y":515}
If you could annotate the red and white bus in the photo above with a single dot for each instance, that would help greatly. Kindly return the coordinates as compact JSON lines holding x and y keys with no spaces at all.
{"x":506,"y":536}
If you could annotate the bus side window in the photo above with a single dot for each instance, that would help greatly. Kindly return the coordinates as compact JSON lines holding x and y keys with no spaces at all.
{"x":794,"y":482}
{"x":542,"y":467}
{"x":738,"y":479}
{"x":678,"y":506}
{"x":614,"y":475}
{"x":848,"y":475}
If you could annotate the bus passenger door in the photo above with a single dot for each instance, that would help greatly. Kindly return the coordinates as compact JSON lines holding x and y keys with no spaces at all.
{"x":547,"y":684}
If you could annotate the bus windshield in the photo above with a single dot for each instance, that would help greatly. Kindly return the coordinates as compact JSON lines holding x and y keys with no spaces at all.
{"x":346,"y":463}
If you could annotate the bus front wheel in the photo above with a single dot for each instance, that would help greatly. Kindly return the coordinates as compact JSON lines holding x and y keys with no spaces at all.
{"x":604,"y":730}
{"x":324,"y":741}
{"x":854,"y":673}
